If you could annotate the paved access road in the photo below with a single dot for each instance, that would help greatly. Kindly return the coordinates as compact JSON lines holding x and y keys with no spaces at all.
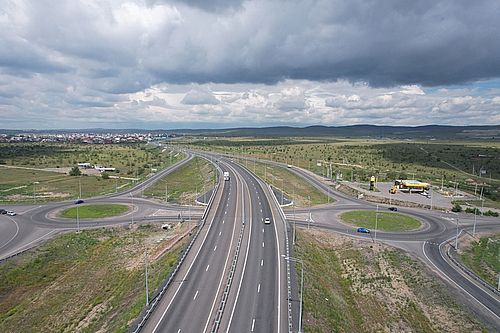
{"x":34,"y":224}
{"x":428,"y":243}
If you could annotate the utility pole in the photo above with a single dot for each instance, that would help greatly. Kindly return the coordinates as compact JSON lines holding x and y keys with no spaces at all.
{"x":77,"y":220}
{"x":293,"y":202}
{"x":146,"y":268}
{"x":310,"y":217}
{"x":376,"y":223}
{"x":475,"y":218}
{"x":166,"y":193}
{"x":456,"y":238}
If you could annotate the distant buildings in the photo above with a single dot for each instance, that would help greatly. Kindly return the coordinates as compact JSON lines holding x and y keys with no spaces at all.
{"x":85,"y":138}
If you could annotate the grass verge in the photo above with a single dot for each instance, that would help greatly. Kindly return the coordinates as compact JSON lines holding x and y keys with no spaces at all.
{"x":294,"y":187}
{"x":95,"y":211}
{"x":385,"y":222}
{"x":355,"y":286}
{"x":186,"y":183}
{"x":87,"y":282}
{"x":483,"y":258}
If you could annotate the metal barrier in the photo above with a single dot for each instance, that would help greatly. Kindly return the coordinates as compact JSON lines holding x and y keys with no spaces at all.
{"x":225,"y":295}
{"x":155,"y":300}
{"x":471,"y":273}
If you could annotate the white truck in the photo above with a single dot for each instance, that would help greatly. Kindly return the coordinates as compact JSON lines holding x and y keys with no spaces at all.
{"x":226,"y":175}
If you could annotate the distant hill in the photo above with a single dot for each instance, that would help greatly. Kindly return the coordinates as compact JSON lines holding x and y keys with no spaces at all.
{"x":354,"y":131}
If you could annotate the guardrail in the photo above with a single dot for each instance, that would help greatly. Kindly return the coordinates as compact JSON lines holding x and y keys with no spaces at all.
{"x":287,"y":263}
{"x":146,"y":313}
{"x":229,"y":282}
{"x":471,"y":273}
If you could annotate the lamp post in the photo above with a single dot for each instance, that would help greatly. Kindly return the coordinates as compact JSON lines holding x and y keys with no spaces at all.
{"x":146,"y":268}
{"x":77,"y":220}
{"x":301,"y":262}
{"x":309,"y":219}
{"x":34,"y":193}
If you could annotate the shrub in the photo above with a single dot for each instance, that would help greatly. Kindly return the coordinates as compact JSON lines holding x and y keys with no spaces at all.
{"x":456,"y":208}
{"x":75,"y":171}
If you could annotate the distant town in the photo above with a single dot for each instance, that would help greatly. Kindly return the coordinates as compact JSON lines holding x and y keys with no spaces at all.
{"x":85,"y":138}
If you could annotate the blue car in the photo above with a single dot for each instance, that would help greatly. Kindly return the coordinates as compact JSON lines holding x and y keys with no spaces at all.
{"x":364,"y":230}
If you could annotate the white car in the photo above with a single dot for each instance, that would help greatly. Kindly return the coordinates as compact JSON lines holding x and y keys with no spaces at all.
{"x":267,"y":220}
{"x":11,"y":213}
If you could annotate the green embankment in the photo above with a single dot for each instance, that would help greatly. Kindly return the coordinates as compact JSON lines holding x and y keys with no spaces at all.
{"x":186,"y":183}
{"x":483,"y":258}
{"x":356,"y":286}
{"x":88,"y":282}
{"x":95,"y":211}
{"x":300,"y":191}
{"x":385,"y":222}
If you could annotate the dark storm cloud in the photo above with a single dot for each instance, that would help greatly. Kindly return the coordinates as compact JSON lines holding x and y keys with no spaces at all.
{"x":381,"y":42}
{"x":386,"y":42}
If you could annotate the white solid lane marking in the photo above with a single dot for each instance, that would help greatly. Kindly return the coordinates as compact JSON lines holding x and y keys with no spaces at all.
{"x":258,"y":288}
{"x":262,"y":262}
{"x":195,"y":295}
{"x":262,"y":244}
{"x":215,"y":248}
{"x":253,"y":325}
{"x":206,"y":270}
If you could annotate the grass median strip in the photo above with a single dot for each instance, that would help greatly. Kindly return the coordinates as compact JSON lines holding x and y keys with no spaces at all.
{"x":294,"y":187}
{"x":385,"y":221}
{"x":95,"y":211}
{"x":186,"y":183}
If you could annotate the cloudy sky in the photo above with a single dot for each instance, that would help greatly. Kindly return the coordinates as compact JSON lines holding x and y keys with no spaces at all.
{"x":222,"y":63}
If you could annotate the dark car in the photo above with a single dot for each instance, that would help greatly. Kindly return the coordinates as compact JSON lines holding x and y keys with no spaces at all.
{"x":79,"y":201}
{"x":394,"y":209}
{"x":3,"y":211}
{"x":364,"y":230}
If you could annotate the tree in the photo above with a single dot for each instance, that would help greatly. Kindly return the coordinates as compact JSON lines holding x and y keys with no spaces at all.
{"x":75,"y":171}
{"x":105,"y":175}
{"x":456,"y":208}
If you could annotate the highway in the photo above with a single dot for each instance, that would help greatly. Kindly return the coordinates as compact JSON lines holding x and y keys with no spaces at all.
{"x":253,"y":302}
{"x":233,"y":278}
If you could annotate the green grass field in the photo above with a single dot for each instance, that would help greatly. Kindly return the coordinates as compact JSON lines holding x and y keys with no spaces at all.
{"x":35,"y":185}
{"x":82,"y":282}
{"x":186,"y":183}
{"x":483,"y":258}
{"x":358,"y":159}
{"x":386,"y":221}
{"x":355,"y":286}
{"x":95,"y":211}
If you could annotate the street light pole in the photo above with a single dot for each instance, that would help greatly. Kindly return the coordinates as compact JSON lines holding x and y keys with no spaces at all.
{"x":309,"y":219}
{"x":77,"y":220}
{"x":475,"y":219}
{"x":146,"y":268}
{"x":301,"y":262}
{"x":456,"y":238}
{"x":376,"y":223}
